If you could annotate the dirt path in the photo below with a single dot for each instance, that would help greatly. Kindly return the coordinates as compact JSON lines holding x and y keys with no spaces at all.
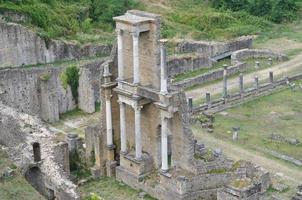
{"x":292,"y":174}
{"x":279,"y":70}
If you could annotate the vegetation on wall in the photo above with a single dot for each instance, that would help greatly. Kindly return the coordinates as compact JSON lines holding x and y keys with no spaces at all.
{"x":71,"y":77}
{"x":58,"y":18}
{"x":91,"y":20}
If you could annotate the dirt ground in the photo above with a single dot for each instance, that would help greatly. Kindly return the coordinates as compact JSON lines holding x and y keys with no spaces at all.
{"x":290,"y":67}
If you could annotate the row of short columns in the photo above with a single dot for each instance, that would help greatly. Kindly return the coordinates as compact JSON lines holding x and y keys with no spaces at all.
{"x":225,"y":88}
{"x":136,"y":67}
{"x":241,"y":82}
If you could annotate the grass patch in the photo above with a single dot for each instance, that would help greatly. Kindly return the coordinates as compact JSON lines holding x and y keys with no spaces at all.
{"x":241,"y":183}
{"x":198,"y":72}
{"x":16,"y":187}
{"x":278,"y":113}
{"x":108,"y":188}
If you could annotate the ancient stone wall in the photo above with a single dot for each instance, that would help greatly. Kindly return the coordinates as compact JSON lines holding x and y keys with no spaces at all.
{"x":184,"y":63}
{"x":210,"y":76}
{"x":18,"y":132}
{"x":241,"y":55}
{"x":21,"y":46}
{"x":40,"y":91}
{"x":214,"y":49}
{"x":217,"y":105}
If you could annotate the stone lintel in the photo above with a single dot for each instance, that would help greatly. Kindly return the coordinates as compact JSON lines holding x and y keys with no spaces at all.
{"x":132,"y":100}
{"x":109,"y":85}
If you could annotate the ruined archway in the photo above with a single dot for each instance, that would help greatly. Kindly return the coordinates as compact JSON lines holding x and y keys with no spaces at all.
{"x":35,"y":177}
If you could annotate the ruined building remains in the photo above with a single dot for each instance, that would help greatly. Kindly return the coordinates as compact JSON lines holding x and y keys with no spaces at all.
{"x":145,"y":138}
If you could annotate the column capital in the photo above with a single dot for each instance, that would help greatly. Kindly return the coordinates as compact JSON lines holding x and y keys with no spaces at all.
{"x":225,"y":67}
{"x":163,"y":42}
{"x":108,"y":97}
{"x":137,"y":107}
{"x":135,"y":34}
{"x":120,"y":102}
{"x":119,"y":31}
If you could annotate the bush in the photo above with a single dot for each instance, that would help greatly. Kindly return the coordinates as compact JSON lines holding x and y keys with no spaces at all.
{"x":275,"y":10}
{"x":105,"y":10}
{"x":73,"y":75}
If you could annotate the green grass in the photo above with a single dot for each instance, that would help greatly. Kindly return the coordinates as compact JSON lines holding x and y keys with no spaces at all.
{"x":279,"y":113}
{"x":86,"y":22}
{"x":110,"y":189}
{"x":16,"y":187}
{"x":198,"y":72}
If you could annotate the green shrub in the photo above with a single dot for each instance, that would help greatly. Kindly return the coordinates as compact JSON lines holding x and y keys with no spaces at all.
{"x":73,"y":75}
{"x":275,"y":10}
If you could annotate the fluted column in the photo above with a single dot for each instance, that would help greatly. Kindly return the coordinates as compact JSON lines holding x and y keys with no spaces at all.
{"x":109,"y":122}
{"x":120,"y":54}
{"x":136,"y":72}
{"x":138,"y":134}
{"x":163,"y":68}
{"x":164,"y":145}
{"x":123,"y":127}
{"x":225,"y":81}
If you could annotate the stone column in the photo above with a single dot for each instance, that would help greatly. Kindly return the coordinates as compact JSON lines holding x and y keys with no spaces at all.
{"x":241,"y":88}
{"x":208,"y":99}
{"x":136,"y":74}
{"x":138,"y":134}
{"x":123,"y":127}
{"x":271,"y":77}
{"x":164,"y":145}
{"x":120,"y":54}
{"x":257,"y":66}
{"x":190,"y":104}
{"x":270,"y":61}
{"x":225,"y":81}
{"x":163,"y":68}
{"x":256,"y":82}
{"x":109,"y":123}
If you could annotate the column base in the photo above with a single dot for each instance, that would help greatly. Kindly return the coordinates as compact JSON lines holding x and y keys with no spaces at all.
{"x":164,"y":171}
{"x":110,"y":152}
{"x":110,"y":168}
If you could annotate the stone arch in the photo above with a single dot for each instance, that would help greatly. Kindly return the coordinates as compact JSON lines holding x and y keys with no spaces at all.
{"x":37,"y":152}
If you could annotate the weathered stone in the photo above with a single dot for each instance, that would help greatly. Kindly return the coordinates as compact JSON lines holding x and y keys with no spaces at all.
{"x":21,"y":46}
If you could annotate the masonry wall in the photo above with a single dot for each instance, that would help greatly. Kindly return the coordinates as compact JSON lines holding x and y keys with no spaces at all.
{"x":39,"y":90}
{"x":213,"y":49}
{"x":21,"y":46}
{"x":18,"y":131}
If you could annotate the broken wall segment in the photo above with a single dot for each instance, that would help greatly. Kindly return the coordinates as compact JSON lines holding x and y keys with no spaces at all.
{"x":21,"y":46}
{"x":214,"y":49}
{"x":41,"y":91}
{"x":18,"y":131}
{"x":241,"y":55}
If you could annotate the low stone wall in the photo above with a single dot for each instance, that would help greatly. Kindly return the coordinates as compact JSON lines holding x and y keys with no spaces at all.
{"x":185,"y":63}
{"x":18,"y":132}
{"x":21,"y":46}
{"x":40,"y":91}
{"x":214,"y":49}
{"x":213,"y":106}
{"x":202,"y":54}
{"x":241,"y":55}
{"x":210,"y":76}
